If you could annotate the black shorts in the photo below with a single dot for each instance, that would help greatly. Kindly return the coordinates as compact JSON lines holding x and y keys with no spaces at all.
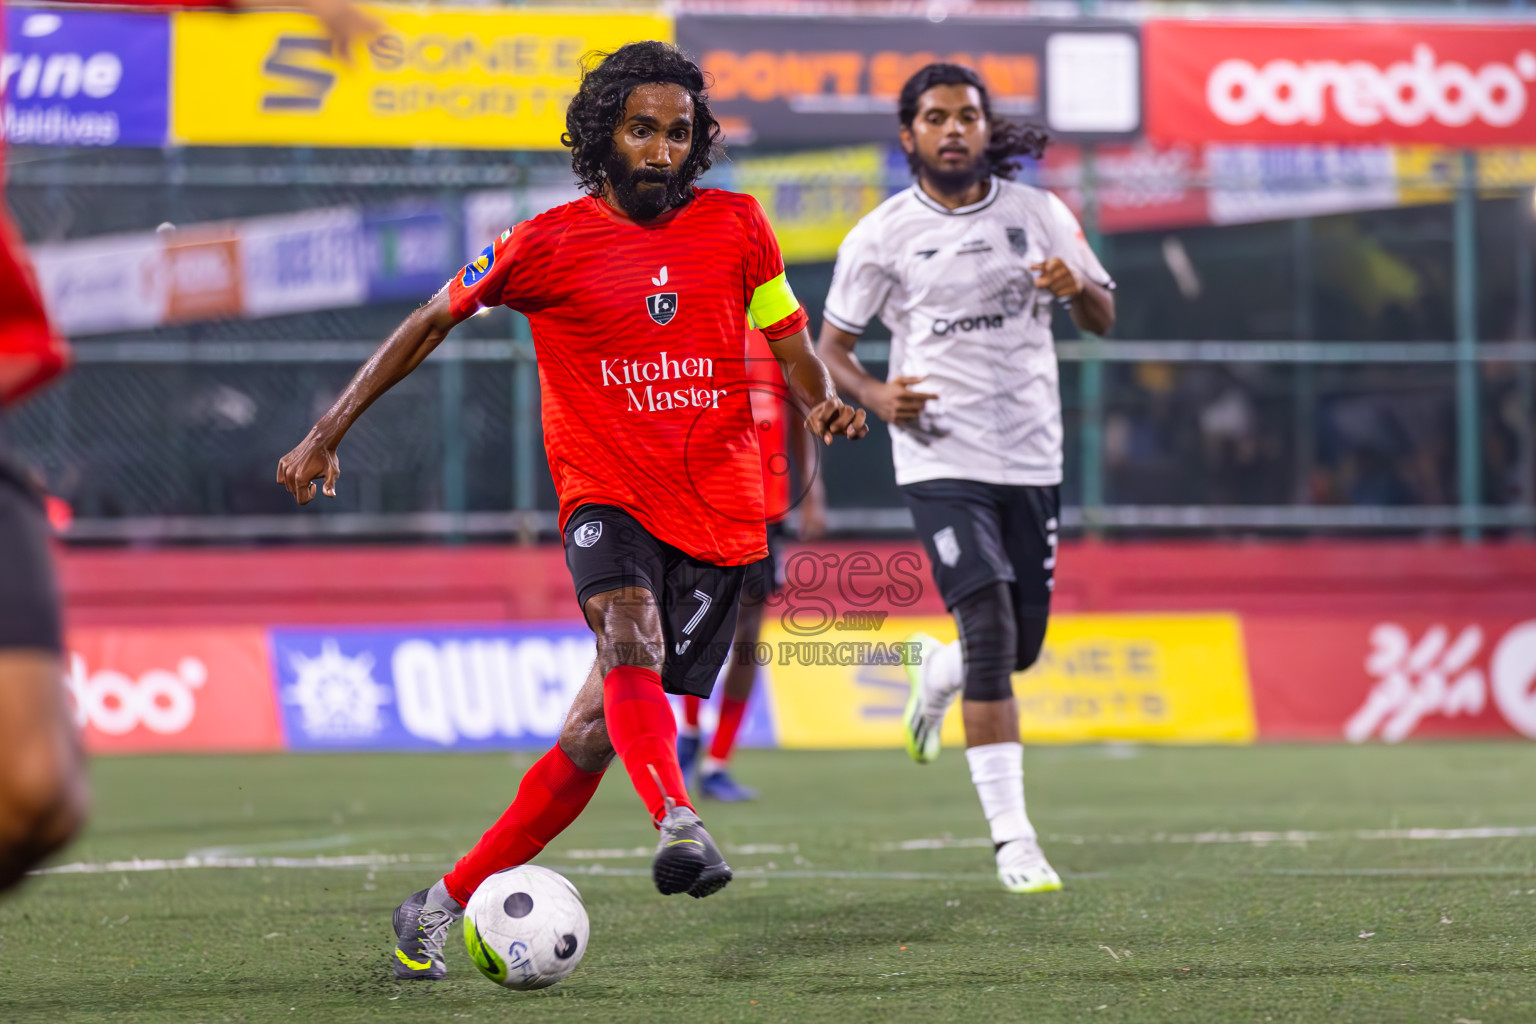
{"x":29,"y":595}
{"x":606,"y":548}
{"x":766,"y":577}
{"x":978,"y":534}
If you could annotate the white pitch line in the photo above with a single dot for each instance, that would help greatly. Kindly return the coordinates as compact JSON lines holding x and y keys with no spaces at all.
{"x":112,"y":867}
{"x":1256,"y":838}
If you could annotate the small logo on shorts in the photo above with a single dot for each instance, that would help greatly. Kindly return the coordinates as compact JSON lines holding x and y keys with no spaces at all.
{"x":948,"y":546}
{"x":587,"y":533}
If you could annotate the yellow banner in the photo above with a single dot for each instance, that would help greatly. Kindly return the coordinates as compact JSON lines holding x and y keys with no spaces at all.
{"x":436,"y":77}
{"x":814,"y":199}
{"x":1141,"y":678}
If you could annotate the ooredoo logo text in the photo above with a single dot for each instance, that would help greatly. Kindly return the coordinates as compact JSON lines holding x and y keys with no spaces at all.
{"x":115,"y":703}
{"x":1406,"y":93}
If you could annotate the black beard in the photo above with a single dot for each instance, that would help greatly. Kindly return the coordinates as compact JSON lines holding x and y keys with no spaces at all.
{"x":649,"y":203}
{"x":953,"y":183}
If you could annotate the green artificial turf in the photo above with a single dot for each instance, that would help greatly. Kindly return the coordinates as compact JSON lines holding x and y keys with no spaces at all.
{"x":1170,"y":914}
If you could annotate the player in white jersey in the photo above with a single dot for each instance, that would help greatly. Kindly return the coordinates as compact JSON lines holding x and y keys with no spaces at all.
{"x":964,"y":268}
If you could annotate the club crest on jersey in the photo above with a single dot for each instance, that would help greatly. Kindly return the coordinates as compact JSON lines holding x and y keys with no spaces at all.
{"x":481,"y":266}
{"x":587,"y":533}
{"x":1018,"y":241}
{"x":662,"y":307}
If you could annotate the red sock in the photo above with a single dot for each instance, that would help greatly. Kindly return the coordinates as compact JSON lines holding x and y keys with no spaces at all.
{"x":551,"y":795}
{"x":691,"y":712}
{"x":644,"y":735}
{"x":731,"y":713}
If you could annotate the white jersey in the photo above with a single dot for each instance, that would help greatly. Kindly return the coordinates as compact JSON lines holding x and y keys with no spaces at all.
{"x":956,"y":291}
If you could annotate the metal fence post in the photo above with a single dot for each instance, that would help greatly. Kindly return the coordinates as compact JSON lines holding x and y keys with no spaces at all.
{"x":1306,"y":374}
{"x":1090,"y":374}
{"x":1525,"y":314}
{"x":1468,"y":448}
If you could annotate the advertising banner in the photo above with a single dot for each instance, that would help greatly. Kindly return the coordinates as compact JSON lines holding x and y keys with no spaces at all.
{"x":202,"y":273}
{"x":1392,"y":679}
{"x":834,"y":80}
{"x":85,"y":78}
{"x":432,"y":688}
{"x":814,"y":199}
{"x":302,"y":261}
{"x":153,"y":690}
{"x":408,"y":249}
{"x":435,"y":77}
{"x":1362,"y":82}
{"x":1140,"y":187}
{"x":107,"y":283}
{"x":1143,"y":678}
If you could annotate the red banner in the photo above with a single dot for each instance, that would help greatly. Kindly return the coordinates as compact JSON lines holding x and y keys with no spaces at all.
{"x":1459,"y":85}
{"x":150,"y":690}
{"x":1390,"y":679}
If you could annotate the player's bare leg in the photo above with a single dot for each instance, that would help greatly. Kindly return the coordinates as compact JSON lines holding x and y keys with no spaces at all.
{"x":43,"y":792}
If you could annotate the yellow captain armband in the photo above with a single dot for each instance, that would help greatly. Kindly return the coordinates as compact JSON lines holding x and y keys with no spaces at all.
{"x":771,"y":302}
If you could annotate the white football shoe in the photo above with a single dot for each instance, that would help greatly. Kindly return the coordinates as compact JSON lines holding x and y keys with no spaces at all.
{"x":1022,"y":867}
{"x":923,"y":719}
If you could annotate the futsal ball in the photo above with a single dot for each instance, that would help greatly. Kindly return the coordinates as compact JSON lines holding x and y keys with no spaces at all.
{"x":526,"y":927}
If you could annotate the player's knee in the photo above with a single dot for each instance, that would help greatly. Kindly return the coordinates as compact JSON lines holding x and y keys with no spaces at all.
{"x":989,"y":636}
{"x":630,"y":635}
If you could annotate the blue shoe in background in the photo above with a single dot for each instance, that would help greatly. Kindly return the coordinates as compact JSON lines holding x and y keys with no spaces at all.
{"x":720,"y":786}
{"x":687,"y":754}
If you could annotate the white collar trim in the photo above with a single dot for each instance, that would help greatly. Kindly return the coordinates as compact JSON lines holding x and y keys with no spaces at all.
{"x":959,"y":211}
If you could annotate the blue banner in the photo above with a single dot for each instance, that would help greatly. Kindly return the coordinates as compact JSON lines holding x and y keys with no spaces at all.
{"x":429,"y":688}
{"x":409,"y":250}
{"x":493,"y":687}
{"x":85,"y":78}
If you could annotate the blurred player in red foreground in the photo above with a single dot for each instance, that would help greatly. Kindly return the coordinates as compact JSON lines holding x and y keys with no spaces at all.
{"x":777,"y":433}
{"x":43,"y":793}
{"x":639,"y":295}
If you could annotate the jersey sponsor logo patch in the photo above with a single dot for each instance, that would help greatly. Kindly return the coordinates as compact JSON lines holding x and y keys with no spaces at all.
{"x":985,"y":322}
{"x":481,"y":266}
{"x":662,"y":307}
{"x":587,"y":533}
{"x":947,"y":545}
{"x":1018,"y":241}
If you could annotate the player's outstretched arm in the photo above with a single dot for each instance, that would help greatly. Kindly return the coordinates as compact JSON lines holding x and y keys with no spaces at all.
{"x":893,"y":401}
{"x":812,"y":387}
{"x":403,"y":351}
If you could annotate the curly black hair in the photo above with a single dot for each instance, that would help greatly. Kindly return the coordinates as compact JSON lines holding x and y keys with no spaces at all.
{"x":607,"y":79}
{"x":1008,"y":141}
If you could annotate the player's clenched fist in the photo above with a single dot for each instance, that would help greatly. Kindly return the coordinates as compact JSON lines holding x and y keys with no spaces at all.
{"x":1056,"y":277}
{"x":313,"y":459}
{"x":832,"y":417}
{"x":894,"y":400}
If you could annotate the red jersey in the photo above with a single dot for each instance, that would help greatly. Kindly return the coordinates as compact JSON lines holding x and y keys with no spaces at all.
{"x":638,"y":331}
{"x":771,"y":410}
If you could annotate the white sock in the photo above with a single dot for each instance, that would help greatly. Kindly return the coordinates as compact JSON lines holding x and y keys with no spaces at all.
{"x":709,"y":766}
{"x":943,"y":677}
{"x":997,"y":770}
{"x":437,"y":896}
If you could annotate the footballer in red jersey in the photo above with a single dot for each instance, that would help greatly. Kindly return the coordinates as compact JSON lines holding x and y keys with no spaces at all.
{"x":639,"y":296}
{"x":42,"y":773}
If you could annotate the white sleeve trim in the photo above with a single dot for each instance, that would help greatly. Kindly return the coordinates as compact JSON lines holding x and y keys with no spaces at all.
{"x":842,"y":324}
